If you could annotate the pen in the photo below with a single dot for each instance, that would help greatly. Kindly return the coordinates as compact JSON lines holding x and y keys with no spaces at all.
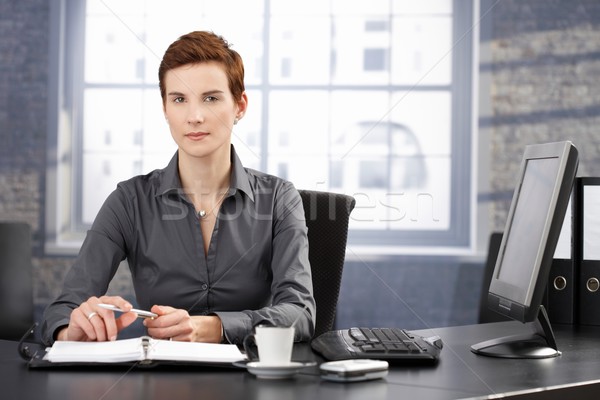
{"x":140,"y":313}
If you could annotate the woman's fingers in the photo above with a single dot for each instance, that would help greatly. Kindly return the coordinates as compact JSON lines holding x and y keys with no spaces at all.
{"x":81,"y":321}
{"x":125,"y":320}
{"x":93,"y":323}
{"x":171,"y":323}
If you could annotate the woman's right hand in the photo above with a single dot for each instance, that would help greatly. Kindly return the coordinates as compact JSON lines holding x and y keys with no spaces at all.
{"x":90,"y":323}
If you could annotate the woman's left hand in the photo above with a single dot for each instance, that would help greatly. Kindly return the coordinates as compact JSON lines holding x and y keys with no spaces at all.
{"x":177,"y":324}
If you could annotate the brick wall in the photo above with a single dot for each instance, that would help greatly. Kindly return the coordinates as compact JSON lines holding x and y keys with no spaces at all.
{"x":24,"y":35}
{"x":545,"y":86}
{"x":23,"y":102}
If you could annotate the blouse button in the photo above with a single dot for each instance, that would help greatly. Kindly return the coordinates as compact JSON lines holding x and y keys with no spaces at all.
{"x":204,"y":286}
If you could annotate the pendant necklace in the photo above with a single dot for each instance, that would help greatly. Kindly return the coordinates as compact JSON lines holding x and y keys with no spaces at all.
{"x":202,"y":214}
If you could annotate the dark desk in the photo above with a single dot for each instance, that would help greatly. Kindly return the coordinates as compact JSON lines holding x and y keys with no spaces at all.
{"x":460,"y":374}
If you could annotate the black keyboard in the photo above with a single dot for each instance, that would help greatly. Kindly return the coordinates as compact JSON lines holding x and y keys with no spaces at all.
{"x":391,"y":344}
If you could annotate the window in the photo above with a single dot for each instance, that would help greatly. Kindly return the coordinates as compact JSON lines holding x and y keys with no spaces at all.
{"x":371,"y":99}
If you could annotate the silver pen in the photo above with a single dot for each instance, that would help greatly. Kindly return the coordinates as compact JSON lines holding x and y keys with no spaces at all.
{"x":140,"y":313}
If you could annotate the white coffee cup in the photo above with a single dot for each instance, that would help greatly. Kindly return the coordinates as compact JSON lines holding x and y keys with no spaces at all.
{"x":274,"y":344}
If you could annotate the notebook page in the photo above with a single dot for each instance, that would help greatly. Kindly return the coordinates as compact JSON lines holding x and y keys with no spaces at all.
{"x":103,"y":352}
{"x":200,"y":352}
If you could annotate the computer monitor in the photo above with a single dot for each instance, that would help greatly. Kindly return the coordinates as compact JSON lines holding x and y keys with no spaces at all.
{"x":535,"y":218}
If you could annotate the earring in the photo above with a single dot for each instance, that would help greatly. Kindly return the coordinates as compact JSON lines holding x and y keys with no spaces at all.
{"x":235,"y":121}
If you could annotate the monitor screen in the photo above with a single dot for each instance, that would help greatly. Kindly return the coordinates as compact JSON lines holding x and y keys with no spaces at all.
{"x":532,"y":229}
{"x":518,"y":263}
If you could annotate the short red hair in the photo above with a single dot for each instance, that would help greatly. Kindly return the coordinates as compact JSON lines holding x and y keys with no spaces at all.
{"x":202,"y":46}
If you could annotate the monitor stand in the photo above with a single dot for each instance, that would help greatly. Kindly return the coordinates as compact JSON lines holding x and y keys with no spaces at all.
{"x":540,"y":343}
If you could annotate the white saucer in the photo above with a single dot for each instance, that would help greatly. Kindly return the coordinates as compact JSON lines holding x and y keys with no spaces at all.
{"x":274,"y":371}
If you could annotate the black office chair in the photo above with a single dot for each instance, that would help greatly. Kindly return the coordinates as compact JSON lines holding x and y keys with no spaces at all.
{"x":16,"y":280}
{"x":327,"y":217}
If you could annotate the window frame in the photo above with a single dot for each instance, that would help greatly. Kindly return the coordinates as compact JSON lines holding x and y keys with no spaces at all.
{"x":65,"y":230}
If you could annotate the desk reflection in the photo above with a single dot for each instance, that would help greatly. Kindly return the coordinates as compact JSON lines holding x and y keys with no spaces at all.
{"x":149,"y":385}
{"x":146,"y":385}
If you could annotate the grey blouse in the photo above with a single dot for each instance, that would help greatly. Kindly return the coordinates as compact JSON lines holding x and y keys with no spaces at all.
{"x":256,"y":269}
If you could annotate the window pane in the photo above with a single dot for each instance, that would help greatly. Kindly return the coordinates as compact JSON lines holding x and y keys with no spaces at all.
{"x":156,"y":135}
{"x":354,"y":97}
{"x":361,"y":51}
{"x":298,"y":123}
{"x":112,"y":120}
{"x":361,"y":7}
{"x":247,"y":134}
{"x":422,"y":50}
{"x":297,"y":8}
{"x":101,"y":172}
{"x":428,"y":116}
{"x":289,"y":40}
{"x":305,"y":172}
{"x":422,"y":204}
{"x":422,"y":7}
{"x":105,"y":35}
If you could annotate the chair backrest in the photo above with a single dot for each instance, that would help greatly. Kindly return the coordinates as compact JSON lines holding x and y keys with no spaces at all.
{"x":327,"y":216}
{"x":16,"y":280}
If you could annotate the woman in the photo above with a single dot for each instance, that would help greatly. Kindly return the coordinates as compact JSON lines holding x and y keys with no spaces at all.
{"x":213,"y":248}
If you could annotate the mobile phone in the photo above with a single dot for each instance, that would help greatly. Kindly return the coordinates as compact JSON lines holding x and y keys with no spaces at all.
{"x":140,"y":313}
{"x":354,"y":370}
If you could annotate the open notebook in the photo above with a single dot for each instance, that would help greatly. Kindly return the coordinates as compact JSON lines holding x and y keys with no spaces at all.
{"x":142,"y":350}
